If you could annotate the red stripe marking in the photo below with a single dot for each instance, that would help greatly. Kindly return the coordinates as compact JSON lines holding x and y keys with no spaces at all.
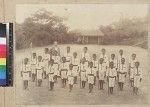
{"x":2,"y":47}
{"x":2,"y":54}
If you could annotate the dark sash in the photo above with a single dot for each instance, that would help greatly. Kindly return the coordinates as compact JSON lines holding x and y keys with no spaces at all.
{"x":111,"y":76}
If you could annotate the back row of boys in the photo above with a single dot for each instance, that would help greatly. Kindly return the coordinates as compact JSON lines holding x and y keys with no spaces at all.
{"x":69,"y":67}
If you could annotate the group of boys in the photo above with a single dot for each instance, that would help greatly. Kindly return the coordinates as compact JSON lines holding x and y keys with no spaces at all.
{"x":83,"y":69}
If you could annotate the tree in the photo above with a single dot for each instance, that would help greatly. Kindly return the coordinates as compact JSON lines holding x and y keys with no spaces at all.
{"x":126,"y":31}
{"x":41,"y":28}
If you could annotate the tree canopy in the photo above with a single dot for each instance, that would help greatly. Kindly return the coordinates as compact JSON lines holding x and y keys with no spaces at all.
{"x":41,"y":28}
{"x":44,"y":27}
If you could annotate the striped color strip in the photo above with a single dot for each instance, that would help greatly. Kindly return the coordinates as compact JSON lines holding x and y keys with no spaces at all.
{"x":2,"y":82}
{"x":2,"y":47}
{"x":2,"y":75}
{"x":2,"y":67}
{"x":3,"y":41}
{"x":2,"y":54}
{"x":2,"y":61}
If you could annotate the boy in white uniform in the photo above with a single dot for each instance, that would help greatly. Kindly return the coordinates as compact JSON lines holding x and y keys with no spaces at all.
{"x":95,"y":67}
{"x":75,"y":62}
{"x":46,"y":58}
{"x":111,"y":77}
{"x":101,"y":73}
{"x":86,"y":55}
{"x":70,"y":77}
{"x":132,"y":67}
{"x":104,"y":56}
{"x":68,"y":55}
{"x":122,"y":71}
{"x":83,"y":76}
{"x":33,"y":66}
{"x":114,"y":60}
{"x":26,"y":72}
{"x":63,"y":71}
{"x":90,"y":73}
{"x":39,"y":71}
{"x":119,"y":62}
{"x":120,"y":56}
{"x":137,"y":78}
{"x":50,"y":74}
{"x":55,"y":48}
{"x":56,"y":64}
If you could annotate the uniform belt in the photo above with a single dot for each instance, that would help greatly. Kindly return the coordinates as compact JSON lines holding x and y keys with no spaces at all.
{"x":94,"y":67}
{"x":122,"y":72}
{"x":91,"y":74}
{"x":70,"y":75}
{"x":45,"y":59}
{"x":83,"y":71}
{"x":132,"y":79}
{"x":75,"y":65}
{"x":64,"y":70}
{"x":137,"y":74}
{"x":68,"y":61}
{"x":51,"y":73}
{"x":111,"y":76}
{"x":39,"y":69}
{"x":33,"y":64}
{"x":26,"y":71}
{"x":55,"y":63}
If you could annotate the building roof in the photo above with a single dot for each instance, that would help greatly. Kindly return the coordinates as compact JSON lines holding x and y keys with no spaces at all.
{"x":89,"y":32}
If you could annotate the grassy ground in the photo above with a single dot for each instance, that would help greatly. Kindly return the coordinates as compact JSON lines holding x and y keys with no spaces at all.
{"x":41,"y":95}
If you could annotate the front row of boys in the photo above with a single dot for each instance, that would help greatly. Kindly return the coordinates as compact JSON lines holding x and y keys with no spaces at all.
{"x":87,"y":74}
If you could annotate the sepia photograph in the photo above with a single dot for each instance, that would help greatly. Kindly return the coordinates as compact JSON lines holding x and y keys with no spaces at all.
{"x":81,"y":54}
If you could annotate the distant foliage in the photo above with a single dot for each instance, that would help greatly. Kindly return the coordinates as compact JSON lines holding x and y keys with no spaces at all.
{"x":126,"y":32}
{"x":43,"y":28}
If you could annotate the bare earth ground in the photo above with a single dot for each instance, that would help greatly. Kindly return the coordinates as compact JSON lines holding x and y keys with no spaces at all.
{"x":41,"y":95}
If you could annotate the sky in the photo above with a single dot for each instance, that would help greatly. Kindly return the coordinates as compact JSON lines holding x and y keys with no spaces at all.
{"x":85,"y":16}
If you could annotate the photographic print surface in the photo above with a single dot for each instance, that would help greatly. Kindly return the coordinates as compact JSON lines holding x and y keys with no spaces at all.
{"x":81,"y":54}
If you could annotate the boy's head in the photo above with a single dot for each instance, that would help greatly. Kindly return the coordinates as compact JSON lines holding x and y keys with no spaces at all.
{"x":55,"y":43}
{"x":121,"y":52}
{"x":75,"y":54}
{"x":34,"y":55}
{"x":111,"y":64}
{"x":85,"y":49}
{"x":103,"y":51}
{"x":122,"y":61}
{"x":101,"y":60}
{"x":68,"y":48}
{"x":46,"y":50}
{"x":112,"y":56}
{"x":63,"y":59}
{"x":94,"y":56}
{"x":26,"y":61}
{"x":39,"y":58}
{"x":137,"y":64}
{"x":70,"y":66}
{"x":90,"y":64}
{"x":133,"y":56}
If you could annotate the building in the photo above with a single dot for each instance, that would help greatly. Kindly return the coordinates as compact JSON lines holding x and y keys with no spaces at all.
{"x":89,"y":36}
